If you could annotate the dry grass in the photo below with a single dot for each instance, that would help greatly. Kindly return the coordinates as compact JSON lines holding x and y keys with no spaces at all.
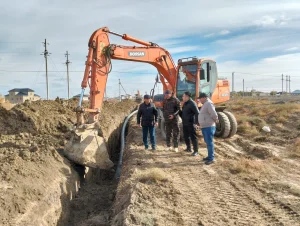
{"x":152,"y":175}
{"x":245,"y":166}
{"x":288,"y":186}
{"x":294,"y":149}
{"x":253,"y":114}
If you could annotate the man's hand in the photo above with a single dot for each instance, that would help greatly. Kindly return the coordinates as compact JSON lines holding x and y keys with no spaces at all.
{"x":156,"y":124}
{"x":217,"y":121}
{"x":140,"y":126}
{"x":171,"y":116}
{"x":195,"y":126}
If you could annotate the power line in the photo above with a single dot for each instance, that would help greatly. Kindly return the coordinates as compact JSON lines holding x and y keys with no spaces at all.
{"x":18,"y":42}
{"x":125,"y":72}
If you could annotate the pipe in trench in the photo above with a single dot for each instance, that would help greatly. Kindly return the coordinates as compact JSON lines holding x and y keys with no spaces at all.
{"x":119,"y":166}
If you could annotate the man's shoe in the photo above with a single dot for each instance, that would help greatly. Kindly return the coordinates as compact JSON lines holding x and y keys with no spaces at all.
{"x":205,"y":159}
{"x":146,"y":148}
{"x":176,"y":149}
{"x":195,"y":153}
{"x":208,"y":162}
{"x":153,"y":149}
{"x":188,"y":150}
{"x":170,"y":149}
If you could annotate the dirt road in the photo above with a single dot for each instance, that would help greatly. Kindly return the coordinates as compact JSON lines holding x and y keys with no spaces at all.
{"x":192,"y":193}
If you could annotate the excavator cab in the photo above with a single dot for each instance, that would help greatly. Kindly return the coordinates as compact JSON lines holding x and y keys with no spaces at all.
{"x":198,"y":75}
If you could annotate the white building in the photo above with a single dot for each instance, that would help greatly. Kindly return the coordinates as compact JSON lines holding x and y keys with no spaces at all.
{"x":18,"y":95}
{"x":86,"y":97}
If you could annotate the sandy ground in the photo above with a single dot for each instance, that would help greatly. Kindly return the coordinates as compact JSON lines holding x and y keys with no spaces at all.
{"x":255,"y":180}
{"x":266,"y":191}
{"x":38,"y":185}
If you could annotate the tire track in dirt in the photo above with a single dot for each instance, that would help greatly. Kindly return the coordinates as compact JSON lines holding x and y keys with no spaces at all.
{"x":284,"y":214}
{"x":209,"y":195}
{"x":208,"y":199}
{"x":275,"y":210}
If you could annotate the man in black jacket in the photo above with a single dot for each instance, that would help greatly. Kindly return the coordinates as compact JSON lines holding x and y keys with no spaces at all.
{"x":171,"y":108}
{"x":148,"y":112}
{"x":189,"y":115}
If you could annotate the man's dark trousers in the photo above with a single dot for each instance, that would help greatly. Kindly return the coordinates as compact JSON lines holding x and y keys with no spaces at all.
{"x":172,"y":129}
{"x":151,"y":130}
{"x":189,"y":131}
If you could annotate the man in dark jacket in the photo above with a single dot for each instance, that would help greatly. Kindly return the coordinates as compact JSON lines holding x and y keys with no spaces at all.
{"x":171,"y":108}
{"x":148,"y":112}
{"x":189,"y":115}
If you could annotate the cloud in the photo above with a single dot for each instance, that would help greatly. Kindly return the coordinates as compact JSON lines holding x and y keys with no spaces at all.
{"x":221,"y":33}
{"x":209,"y":35}
{"x":292,"y":49}
{"x":272,"y":20}
{"x":224,"y":32}
{"x":264,"y":74}
{"x":183,"y":49}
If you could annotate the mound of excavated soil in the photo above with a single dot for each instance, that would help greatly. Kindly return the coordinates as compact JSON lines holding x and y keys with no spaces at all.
{"x":36,"y":183}
{"x":33,"y":175}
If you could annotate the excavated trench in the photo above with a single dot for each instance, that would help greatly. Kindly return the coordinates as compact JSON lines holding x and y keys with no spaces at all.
{"x":92,"y":204}
{"x":38,"y":186}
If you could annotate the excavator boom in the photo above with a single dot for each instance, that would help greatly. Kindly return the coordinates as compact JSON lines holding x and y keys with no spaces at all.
{"x":89,"y":149}
{"x":85,"y":146}
{"x":98,"y":64}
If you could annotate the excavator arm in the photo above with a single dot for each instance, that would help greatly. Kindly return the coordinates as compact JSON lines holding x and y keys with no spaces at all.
{"x":98,"y":65}
{"x":86,"y":147}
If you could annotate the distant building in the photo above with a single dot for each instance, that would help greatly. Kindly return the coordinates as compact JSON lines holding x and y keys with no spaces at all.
{"x":296,"y":92}
{"x":127,"y":96}
{"x":17,"y":96}
{"x":86,"y":97}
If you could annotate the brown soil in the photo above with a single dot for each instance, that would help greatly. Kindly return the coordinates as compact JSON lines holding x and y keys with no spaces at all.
{"x":37,"y":182}
{"x":254,"y":181}
{"x":93,"y":204}
{"x":6,"y":105}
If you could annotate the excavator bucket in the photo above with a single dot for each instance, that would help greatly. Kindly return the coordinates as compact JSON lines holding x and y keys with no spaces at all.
{"x":87,"y":148}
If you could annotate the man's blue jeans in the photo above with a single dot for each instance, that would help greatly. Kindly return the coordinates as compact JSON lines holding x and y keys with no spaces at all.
{"x":208,"y":135}
{"x":151,"y":130}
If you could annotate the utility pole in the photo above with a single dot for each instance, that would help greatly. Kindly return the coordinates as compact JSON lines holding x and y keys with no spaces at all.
{"x":68,"y":78}
{"x":232,"y":81}
{"x":243,"y":87}
{"x":289,"y":84}
{"x":120,"y":90}
{"x":46,"y":54}
{"x":286,"y":83}
{"x":282,"y":84}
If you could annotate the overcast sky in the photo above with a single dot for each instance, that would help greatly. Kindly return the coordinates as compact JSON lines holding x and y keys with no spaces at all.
{"x":258,"y":40}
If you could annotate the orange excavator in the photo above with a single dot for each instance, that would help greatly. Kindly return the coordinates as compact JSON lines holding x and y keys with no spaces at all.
{"x":191,"y":74}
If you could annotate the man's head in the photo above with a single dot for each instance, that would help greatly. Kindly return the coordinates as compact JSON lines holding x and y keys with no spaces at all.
{"x":186,"y":96}
{"x":168,"y":94}
{"x":202,"y":97}
{"x":147,"y":99}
